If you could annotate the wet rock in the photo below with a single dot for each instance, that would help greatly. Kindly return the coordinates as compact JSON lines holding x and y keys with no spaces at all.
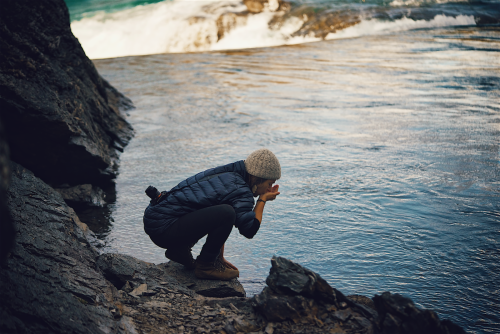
{"x":399,"y":314}
{"x":122,"y":269}
{"x":302,"y":296}
{"x":62,"y":120}
{"x":289,"y":278}
{"x":241,"y":304}
{"x":208,"y":288}
{"x":278,"y":307}
{"x":51,"y":277}
{"x":7,"y":232}
{"x":84,"y":195}
{"x":316,"y":23}
{"x":322,"y":24}
{"x":258,"y":6}
{"x":293,"y":292}
{"x":228,"y":21}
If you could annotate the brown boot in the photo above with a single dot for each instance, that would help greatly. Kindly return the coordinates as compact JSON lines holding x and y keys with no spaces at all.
{"x":214,"y":270}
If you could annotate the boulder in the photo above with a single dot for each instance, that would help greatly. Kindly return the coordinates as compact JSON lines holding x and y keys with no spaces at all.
{"x":50,"y":282}
{"x":293,"y":292}
{"x":316,"y":22}
{"x":7,"y":232}
{"x":83,"y":195}
{"x":128,"y":273}
{"x":289,"y":278}
{"x":278,"y":307}
{"x":207,"y":288}
{"x":62,"y":120}
{"x":298,"y":294}
{"x":398,"y":314}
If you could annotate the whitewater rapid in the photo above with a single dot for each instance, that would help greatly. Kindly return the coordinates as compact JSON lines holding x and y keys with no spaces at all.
{"x":191,"y":26}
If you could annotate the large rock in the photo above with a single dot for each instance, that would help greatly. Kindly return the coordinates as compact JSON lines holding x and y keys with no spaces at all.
{"x":83,"y":195}
{"x":63,"y":121}
{"x":130,"y":274}
{"x":50,"y":283}
{"x":293,"y":292}
{"x":399,"y":314}
{"x":289,"y":278}
{"x":6,"y":228}
{"x":298,"y":294}
{"x":204,"y":287}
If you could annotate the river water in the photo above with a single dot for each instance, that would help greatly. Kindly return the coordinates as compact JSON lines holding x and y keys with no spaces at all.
{"x":389,"y":150}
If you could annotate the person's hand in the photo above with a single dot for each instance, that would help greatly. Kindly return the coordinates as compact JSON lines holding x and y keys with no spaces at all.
{"x":271,"y":193}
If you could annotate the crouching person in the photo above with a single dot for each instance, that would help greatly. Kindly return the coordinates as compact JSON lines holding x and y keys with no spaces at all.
{"x":209,"y":204}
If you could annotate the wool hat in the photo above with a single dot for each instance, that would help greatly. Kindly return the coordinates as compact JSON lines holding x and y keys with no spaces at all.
{"x":263,"y":163}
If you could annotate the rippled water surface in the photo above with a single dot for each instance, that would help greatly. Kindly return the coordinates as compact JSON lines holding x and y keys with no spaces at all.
{"x":389,"y":150}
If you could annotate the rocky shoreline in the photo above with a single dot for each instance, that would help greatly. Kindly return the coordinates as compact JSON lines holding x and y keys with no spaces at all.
{"x":55,"y":281}
{"x":65,"y":126}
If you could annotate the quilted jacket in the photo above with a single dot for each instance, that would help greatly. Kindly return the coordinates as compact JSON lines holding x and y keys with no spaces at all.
{"x":221,"y":185}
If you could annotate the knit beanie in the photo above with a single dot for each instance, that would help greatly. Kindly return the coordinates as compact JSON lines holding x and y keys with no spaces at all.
{"x":263,"y":163}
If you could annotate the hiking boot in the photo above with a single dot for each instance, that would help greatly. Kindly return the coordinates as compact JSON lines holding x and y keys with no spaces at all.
{"x":214,"y":270}
{"x":182,"y":256}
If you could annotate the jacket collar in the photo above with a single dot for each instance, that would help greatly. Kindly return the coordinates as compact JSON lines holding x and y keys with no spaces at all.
{"x":239,"y":167}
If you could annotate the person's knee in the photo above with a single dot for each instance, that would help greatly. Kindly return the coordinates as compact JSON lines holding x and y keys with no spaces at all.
{"x":227,"y":214}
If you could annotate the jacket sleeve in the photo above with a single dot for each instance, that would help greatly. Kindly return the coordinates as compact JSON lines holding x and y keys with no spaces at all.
{"x":241,"y":199}
{"x":252,"y":231}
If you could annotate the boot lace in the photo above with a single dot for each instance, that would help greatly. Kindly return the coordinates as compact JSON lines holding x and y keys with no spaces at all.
{"x":219,"y":265}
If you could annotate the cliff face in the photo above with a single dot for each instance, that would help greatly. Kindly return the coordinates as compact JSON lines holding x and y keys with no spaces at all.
{"x":62,"y":120}
{"x":6,"y":228}
{"x":50,"y":282}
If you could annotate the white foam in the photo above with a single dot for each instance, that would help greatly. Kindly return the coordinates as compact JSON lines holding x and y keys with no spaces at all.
{"x":169,"y":26}
{"x":375,"y":27}
{"x":256,"y":33}
{"x":188,"y":25}
{"x":416,"y":3}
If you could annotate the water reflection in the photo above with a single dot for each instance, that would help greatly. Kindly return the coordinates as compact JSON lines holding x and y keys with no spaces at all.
{"x":389,"y":148}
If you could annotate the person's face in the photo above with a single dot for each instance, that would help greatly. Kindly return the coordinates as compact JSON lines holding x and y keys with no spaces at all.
{"x":264,"y":187}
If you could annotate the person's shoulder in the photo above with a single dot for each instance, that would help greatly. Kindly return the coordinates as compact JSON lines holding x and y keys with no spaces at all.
{"x":237,"y":166}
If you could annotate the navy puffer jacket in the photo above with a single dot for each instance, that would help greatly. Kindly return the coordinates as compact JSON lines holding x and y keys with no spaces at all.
{"x":220,"y":185}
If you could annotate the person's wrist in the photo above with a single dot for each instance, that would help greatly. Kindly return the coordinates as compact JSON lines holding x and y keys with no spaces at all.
{"x":261,"y":200}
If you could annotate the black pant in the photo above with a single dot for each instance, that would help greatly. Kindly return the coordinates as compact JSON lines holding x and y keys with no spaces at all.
{"x":216,"y":221}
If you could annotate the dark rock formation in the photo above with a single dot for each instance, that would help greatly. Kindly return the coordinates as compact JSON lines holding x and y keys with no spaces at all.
{"x":62,"y":120}
{"x":298,"y":294}
{"x":317,"y":23}
{"x":208,"y":288}
{"x":6,"y":228}
{"x":50,"y":282}
{"x":54,"y":281}
{"x":128,"y":273}
{"x":398,"y":314}
{"x":81,"y":196}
